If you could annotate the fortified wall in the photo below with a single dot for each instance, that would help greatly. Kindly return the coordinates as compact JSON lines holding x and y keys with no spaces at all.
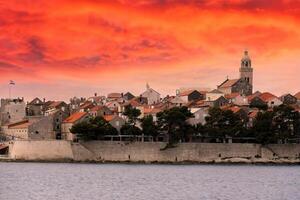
{"x":151,"y":152}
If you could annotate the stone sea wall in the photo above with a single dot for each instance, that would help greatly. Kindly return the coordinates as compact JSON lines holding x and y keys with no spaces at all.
{"x":148,"y":152}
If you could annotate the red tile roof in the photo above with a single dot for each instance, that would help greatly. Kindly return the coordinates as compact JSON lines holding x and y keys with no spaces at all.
{"x":97,"y":108}
{"x":75,"y":117}
{"x":114,"y":95}
{"x":151,"y":110}
{"x":20,"y":124}
{"x":86,"y":105}
{"x":232,"y":95}
{"x":297,"y":95}
{"x":253,"y":113}
{"x":234,"y":109}
{"x":55,"y":104}
{"x":229,"y":83}
{"x":109,"y":117}
{"x":266,"y":96}
{"x":187,"y":92}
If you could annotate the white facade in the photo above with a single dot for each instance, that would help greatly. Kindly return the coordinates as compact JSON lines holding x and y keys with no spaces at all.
{"x":152,"y":96}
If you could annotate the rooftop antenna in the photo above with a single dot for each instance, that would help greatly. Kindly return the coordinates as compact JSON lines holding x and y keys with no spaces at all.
{"x":10,"y":84}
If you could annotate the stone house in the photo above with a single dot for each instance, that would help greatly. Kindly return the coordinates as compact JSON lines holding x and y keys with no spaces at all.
{"x":53,"y":106}
{"x":12,"y":110}
{"x":270,"y":99}
{"x":97,"y":100}
{"x":75,"y":103}
{"x":114,"y":106}
{"x":175,"y":101}
{"x":86,"y":106}
{"x":235,"y":86}
{"x":128,"y":96}
{"x":35,"y":107}
{"x":153,"y":97}
{"x":288,"y":99}
{"x":114,"y":96}
{"x":199,"y":116}
{"x":34,"y":128}
{"x":221,"y":101}
{"x":237,"y":99}
{"x":150,"y":110}
{"x":214,"y":95}
{"x":116,"y":121}
{"x":70,"y":121}
{"x":256,"y":102}
{"x":57,"y":118}
{"x":191,"y":95}
{"x":17,"y":130}
{"x":100,"y":111}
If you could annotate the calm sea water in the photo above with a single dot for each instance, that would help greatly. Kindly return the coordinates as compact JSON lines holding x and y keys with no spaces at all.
{"x":22,"y":181}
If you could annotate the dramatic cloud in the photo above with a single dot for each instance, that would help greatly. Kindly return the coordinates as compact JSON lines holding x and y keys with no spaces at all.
{"x":120,"y":45}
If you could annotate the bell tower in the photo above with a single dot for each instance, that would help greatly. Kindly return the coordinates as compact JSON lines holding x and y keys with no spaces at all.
{"x":246,"y":71}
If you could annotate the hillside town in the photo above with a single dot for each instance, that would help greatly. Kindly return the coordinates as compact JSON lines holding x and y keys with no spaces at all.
{"x":42,"y":119}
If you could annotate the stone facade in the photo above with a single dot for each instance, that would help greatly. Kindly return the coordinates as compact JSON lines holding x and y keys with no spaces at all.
{"x":152,"y":96}
{"x":12,"y":110}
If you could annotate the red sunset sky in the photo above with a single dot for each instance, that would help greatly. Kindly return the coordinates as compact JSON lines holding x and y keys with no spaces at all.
{"x":63,"y":48}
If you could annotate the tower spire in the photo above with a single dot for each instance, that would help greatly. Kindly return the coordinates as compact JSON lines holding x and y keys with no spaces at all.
{"x":246,"y":70}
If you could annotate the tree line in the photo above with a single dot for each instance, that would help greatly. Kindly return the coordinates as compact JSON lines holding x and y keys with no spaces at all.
{"x":270,"y":126}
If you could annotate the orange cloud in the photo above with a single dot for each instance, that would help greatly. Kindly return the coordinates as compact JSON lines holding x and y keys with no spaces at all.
{"x":169,"y":43}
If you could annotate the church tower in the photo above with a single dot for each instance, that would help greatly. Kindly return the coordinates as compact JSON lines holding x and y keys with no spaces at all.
{"x":246,"y":71}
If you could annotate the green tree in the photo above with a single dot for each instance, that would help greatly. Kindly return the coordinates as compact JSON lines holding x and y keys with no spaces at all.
{"x":286,"y":122}
{"x":129,"y":129}
{"x":173,"y":121}
{"x":149,"y":127}
{"x":223,"y":123}
{"x":132,"y":114}
{"x":263,"y":128}
{"x":93,"y":129}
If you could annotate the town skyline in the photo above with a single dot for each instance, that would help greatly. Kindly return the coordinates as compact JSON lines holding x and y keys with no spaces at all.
{"x":61,"y":49}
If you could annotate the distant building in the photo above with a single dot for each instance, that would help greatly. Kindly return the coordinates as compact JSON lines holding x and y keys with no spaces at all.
{"x":221,"y":101}
{"x":100,"y":111}
{"x":36,"y":127}
{"x":270,"y":99}
{"x":12,"y":110}
{"x":35,"y":107}
{"x":153,"y":97}
{"x":128,"y":96}
{"x":243,"y":85}
{"x":70,"y":121}
{"x":191,"y":95}
{"x":116,"y":121}
{"x":214,"y":95}
{"x":237,"y":99}
{"x":288,"y":99}
{"x":199,"y":116}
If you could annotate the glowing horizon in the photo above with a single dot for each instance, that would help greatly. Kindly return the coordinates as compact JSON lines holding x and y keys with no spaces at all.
{"x":61,"y":48}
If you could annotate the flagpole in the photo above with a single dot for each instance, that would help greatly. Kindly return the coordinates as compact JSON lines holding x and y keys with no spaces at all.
{"x":9,"y":87}
{"x":9,"y":91}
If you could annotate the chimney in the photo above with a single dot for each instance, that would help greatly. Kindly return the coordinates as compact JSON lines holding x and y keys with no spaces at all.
{"x":122,"y":94}
{"x":95,"y":94}
{"x":44,"y":100}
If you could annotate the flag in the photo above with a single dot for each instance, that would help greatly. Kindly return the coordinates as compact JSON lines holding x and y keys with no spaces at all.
{"x":11,"y":82}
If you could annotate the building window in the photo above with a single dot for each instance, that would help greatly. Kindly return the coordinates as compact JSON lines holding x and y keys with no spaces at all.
{"x":117,"y":123}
